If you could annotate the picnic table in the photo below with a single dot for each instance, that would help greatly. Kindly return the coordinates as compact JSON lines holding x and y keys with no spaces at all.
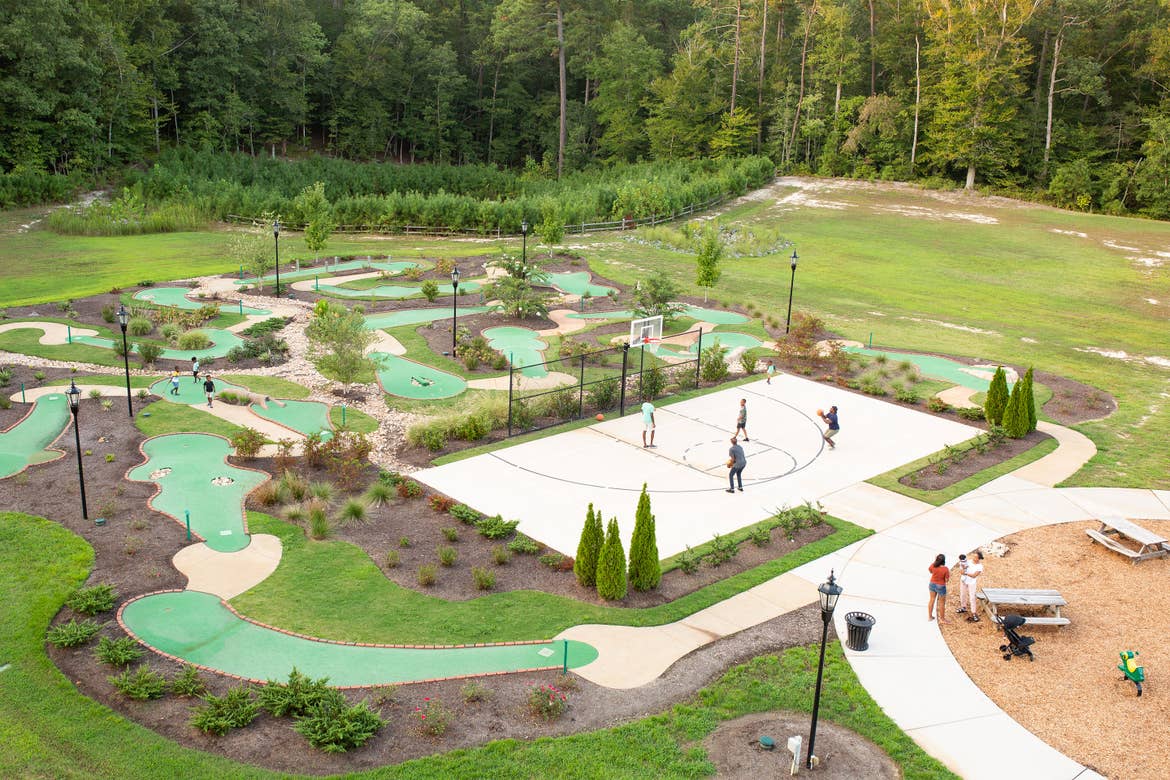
{"x":1049,"y":600}
{"x":1113,"y":529}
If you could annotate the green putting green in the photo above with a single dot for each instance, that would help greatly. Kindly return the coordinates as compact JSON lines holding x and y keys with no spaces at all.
{"x":391,"y":291}
{"x":522,"y":346}
{"x":190,"y":391}
{"x":578,"y":284}
{"x":934,"y":367}
{"x":199,"y":628}
{"x":24,"y":443}
{"x":305,"y":417}
{"x":392,"y":319}
{"x":332,"y":268}
{"x":176,"y":298}
{"x":193,"y":475}
{"x":731,"y":340}
{"x":405,"y":378}
{"x":715,"y":316}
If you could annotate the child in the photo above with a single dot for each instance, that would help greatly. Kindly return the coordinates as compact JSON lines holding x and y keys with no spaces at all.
{"x":771,"y":371}
{"x":741,"y":420}
{"x":209,"y":388}
{"x":195,"y":369}
{"x":175,"y":382}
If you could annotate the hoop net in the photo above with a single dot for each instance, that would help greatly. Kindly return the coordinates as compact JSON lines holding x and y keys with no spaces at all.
{"x":646,"y":333}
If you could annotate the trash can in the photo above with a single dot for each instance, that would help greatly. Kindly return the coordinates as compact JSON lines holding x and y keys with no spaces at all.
{"x":859,"y":627}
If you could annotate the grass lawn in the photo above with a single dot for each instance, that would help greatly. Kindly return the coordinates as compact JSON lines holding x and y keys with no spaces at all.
{"x":355,"y":420}
{"x":333,"y":590}
{"x":51,"y":730}
{"x":27,"y":341}
{"x":271,"y":386}
{"x":111,"y":380}
{"x":167,"y":417}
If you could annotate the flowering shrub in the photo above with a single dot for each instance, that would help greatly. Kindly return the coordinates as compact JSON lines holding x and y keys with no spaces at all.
{"x":432,"y":717}
{"x":547,"y":701}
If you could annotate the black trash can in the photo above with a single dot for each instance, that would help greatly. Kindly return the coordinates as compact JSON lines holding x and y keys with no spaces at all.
{"x":860,"y":625}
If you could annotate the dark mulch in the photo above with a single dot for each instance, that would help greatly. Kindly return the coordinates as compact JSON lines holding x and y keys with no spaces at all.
{"x":929,"y":478}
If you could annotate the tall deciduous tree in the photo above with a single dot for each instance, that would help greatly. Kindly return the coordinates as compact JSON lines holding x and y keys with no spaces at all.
{"x":624,"y":71}
{"x":312,"y":208}
{"x":710,"y":251}
{"x":338,"y":339}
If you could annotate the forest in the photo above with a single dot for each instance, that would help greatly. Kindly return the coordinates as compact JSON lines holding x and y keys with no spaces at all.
{"x":1067,"y":100}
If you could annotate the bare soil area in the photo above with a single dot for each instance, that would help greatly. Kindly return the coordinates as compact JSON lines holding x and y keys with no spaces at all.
{"x":972,"y":462}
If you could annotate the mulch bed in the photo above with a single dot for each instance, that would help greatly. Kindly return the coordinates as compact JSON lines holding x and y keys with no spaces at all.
{"x":929,"y":478}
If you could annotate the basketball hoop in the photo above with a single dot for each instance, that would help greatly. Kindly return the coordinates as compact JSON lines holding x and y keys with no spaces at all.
{"x":646,"y":333}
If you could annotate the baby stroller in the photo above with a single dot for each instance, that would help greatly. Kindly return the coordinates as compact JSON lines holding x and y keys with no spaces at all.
{"x":1017,"y":645}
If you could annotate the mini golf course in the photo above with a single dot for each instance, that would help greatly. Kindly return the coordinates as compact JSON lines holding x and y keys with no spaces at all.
{"x":25,"y":442}
{"x":390,"y":291}
{"x":714,"y":316}
{"x":332,"y":268}
{"x":407,"y":379}
{"x":934,"y":367}
{"x":222,"y":342}
{"x":176,"y":298}
{"x":190,"y":391}
{"x":578,"y":284}
{"x":306,"y":417}
{"x":201,"y":629}
{"x":392,"y":319}
{"x":730,"y":340}
{"x":193,"y":475}
{"x":523,"y":346}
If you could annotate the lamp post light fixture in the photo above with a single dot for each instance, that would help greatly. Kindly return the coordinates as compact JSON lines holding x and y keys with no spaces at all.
{"x":123,"y":319}
{"x":74,"y":396}
{"x":791,"y":284}
{"x":829,"y":591}
{"x":276,"y":240}
{"x":524,"y":232}
{"x":454,"y":305}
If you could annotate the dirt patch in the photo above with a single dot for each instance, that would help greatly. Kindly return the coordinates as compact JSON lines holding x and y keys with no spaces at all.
{"x":844,"y":755}
{"x":957,"y":468}
{"x":1073,"y":402}
{"x":1072,"y":696}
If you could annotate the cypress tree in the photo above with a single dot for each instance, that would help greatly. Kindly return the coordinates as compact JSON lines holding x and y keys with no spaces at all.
{"x":1029,"y":400}
{"x":997,"y":398}
{"x":1015,"y":417}
{"x":589,"y":548}
{"x":611,"y":566}
{"x":645,"y":570}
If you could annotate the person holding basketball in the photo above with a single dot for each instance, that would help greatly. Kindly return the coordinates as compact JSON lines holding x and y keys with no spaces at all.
{"x":736,"y":461}
{"x":834,"y":428}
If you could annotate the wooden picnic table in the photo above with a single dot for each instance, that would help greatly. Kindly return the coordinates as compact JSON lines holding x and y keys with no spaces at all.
{"x":1050,"y":601}
{"x":1150,"y":544}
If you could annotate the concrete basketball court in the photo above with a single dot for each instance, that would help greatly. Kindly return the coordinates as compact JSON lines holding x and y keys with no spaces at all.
{"x":548,"y":483}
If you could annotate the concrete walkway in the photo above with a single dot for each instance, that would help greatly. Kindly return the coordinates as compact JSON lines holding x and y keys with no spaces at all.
{"x":908,"y":669}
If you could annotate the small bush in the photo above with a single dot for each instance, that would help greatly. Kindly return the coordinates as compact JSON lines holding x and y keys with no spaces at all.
{"x":464,"y":514}
{"x":761,"y":536}
{"x":547,"y":702}
{"x":432,"y":717}
{"x":354,"y":511}
{"x":496,"y":527}
{"x":149,"y":352}
{"x":391,"y":478}
{"x":722,"y":550}
{"x":907,"y":395}
{"x":319,"y":525}
{"x":268,"y":494}
{"x":109,"y":457}
{"x":441,"y":503}
{"x":552,"y":560}
{"x":219,"y":714}
{"x":484,"y":579}
{"x":603,"y":395}
{"x":233,"y":398}
{"x":392,"y":559}
{"x":404,"y":541}
{"x":321,"y":490}
{"x":295,"y":697}
{"x":522,"y":545}
{"x":74,"y":633}
{"x":447,"y":555}
{"x":747,"y":361}
{"x":937,"y":405}
{"x":501,"y":555}
{"x":109,"y":314}
{"x":141,"y":684}
{"x":188,"y":683}
{"x":39,"y":376}
{"x":688,"y":561}
{"x":117,"y":652}
{"x":247,"y":443}
{"x":94,"y":394}
{"x":427,"y":574}
{"x":475,"y":691}
{"x":450,"y":534}
{"x":409,"y":489}
{"x":713,"y":363}
{"x":94,"y":599}
{"x":139,"y":326}
{"x":193,"y":340}
{"x":973,"y":413}
{"x":170,"y":332}
{"x":378,"y":494}
{"x":334,"y":727}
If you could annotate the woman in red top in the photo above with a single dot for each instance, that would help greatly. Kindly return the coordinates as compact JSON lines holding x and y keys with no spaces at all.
{"x":939,"y":574}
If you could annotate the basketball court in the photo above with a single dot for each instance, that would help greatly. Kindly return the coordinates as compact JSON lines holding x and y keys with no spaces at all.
{"x":548,"y":483}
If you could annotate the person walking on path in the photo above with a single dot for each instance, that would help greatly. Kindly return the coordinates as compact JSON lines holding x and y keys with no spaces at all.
{"x":175,"y":382}
{"x":939,"y":574}
{"x":968,"y":585}
{"x":741,"y":420}
{"x":771,"y":371}
{"x":736,"y":461}
{"x":209,"y":388}
{"x":647,"y":423}
{"x":834,"y":428}
{"x":195,"y":369}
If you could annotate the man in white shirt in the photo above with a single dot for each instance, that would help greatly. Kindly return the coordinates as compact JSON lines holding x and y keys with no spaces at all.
{"x":968,"y":584}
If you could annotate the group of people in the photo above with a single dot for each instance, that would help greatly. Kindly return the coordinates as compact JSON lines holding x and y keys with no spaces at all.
{"x":208,"y":382}
{"x":970,"y":570}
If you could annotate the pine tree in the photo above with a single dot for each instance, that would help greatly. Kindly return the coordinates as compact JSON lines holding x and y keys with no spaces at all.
{"x":1015,"y":417}
{"x":1029,"y":400}
{"x":645,"y":571}
{"x":997,"y":398}
{"x":611,"y":566}
{"x":588,"y":550}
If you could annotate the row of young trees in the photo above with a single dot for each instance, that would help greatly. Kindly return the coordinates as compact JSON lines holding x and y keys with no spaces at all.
{"x":1015,"y":412}
{"x":601,"y":560}
{"x":1069,"y":96}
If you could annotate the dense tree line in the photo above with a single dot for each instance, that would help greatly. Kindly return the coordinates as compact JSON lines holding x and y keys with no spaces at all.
{"x":1071,"y":97}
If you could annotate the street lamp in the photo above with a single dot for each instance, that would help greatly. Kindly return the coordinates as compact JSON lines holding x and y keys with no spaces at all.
{"x":830,"y":591}
{"x":123,"y":319}
{"x":454,"y":305}
{"x":524,"y":232}
{"x":791,"y":284}
{"x":74,"y":402}
{"x":276,"y":239}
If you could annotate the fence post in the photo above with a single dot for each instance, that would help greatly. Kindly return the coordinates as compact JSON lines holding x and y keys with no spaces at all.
{"x":510,"y":369}
{"x":699,"y":357}
{"x":581,"y":391}
{"x":641,"y":372}
{"x":622,"y":403}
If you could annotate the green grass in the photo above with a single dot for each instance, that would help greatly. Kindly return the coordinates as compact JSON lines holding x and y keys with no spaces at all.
{"x":889,"y":480}
{"x":26,"y":341}
{"x":419,"y":351}
{"x":333,"y":590}
{"x":355,"y":420}
{"x":167,"y":417}
{"x":271,"y":386}
{"x":109,"y":380}
{"x":51,"y":730}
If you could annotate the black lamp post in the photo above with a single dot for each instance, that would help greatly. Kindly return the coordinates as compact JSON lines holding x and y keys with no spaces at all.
{"x":276,"y":239}
{"x":830,"y":591}
{"x":791,"y":284}
{"x":123,"y":319}
{"x":74,"y":402}
{"x":524,"y":232}
{"x":454,"y":305}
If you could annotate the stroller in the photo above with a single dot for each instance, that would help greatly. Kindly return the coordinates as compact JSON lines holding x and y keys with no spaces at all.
{"x":1017,"y":645}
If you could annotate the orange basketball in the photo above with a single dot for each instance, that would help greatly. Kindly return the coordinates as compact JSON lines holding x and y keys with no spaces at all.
{"x":600,"y":416}
{"x":820,"y":413}
{"x":730,"y":462}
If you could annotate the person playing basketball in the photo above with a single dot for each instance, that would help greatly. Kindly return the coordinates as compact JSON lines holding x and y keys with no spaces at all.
{"x":741,"y":420}
{"x":830,"y":418}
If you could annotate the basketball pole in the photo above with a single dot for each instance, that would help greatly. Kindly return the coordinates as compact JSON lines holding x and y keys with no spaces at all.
{"x":641,"y":369}
{"x":625,"y":355}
